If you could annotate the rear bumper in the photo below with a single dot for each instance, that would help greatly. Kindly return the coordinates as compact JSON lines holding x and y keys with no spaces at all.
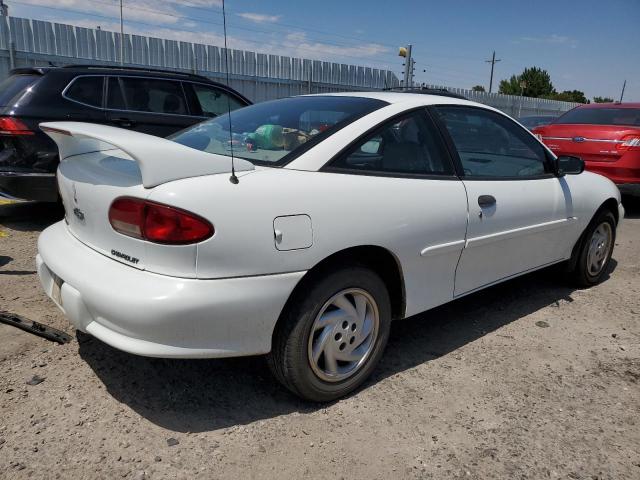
{"x":156,"y":315}
{"x":40,"y":187}
{"x":623,"y":172}
{"x":28,"y":167}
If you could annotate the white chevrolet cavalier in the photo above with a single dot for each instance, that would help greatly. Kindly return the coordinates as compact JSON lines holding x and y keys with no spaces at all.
{"x":345,"y":212}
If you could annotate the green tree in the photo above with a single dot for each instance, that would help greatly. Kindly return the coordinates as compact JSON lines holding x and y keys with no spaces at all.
{"x":478,"y":88}
{"x":602,"y":100}
{"x":569,"y":96}
{"x":537,"y":83}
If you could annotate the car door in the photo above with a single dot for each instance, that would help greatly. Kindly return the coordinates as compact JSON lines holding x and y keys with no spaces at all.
{"x":520,"y":212}
{"x":156,"y":106}
{"x":402,"y":174}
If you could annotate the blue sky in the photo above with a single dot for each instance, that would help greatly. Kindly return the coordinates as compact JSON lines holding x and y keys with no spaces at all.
{"x":587,"y":45}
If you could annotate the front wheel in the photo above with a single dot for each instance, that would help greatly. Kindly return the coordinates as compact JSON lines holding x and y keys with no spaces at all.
{"x":332,"y":335}
{"x":595,"y":250}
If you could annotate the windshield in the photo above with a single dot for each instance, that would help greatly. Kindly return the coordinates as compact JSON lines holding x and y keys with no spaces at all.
{"x":602,"y":116}
{"x":273,"y":133}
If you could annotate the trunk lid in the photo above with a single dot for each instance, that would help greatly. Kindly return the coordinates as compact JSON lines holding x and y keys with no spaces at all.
{"x":88,"y":185}
{"x":100,"y":163}
{"x":593,"y":143}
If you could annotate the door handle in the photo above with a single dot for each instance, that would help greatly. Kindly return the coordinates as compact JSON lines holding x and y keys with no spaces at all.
{"x":124,"y":122}
{"x":486,"y":201}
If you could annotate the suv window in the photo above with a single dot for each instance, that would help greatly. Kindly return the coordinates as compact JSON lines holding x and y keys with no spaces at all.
{"x":115,"y":98}
{"x":213,"y":101}
{"x":491,"y":145}
{"x":154,"y":95}
{"x":86,"y":90}
{"x":408,"y":145}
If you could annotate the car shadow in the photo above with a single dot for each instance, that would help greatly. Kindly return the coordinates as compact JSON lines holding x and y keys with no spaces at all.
{"x":631,"y":206}
{"x":30,"y":216}
{"x":204,"y":395}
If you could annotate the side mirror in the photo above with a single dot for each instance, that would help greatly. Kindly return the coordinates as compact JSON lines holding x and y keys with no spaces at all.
{"x":569,"y":165}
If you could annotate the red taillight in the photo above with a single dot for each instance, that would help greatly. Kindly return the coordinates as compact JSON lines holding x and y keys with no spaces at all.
{"x":13,"y":126}
{"x":157,"y":223}
{"x":630,"y":142}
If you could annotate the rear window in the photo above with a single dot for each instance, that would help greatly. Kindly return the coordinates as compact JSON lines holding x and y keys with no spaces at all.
{"x":14,"y":85}
{"x":602,"y":116}
{"x":273,"y":133}
{"x":86,"y":90}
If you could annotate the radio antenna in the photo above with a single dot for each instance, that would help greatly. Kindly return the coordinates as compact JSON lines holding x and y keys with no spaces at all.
{"x":233,"y":179}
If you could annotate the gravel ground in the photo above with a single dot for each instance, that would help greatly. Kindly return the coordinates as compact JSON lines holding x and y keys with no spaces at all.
{"x":529,"y":379}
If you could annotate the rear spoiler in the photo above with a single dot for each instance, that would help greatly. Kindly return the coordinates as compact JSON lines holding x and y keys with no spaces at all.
{"x":160,"y":160}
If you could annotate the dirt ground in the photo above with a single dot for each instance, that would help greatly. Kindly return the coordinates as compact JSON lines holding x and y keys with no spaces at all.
{"x":529,"y":379}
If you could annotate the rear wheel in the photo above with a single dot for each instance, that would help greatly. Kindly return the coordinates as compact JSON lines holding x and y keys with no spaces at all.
{"x":595,"y":250}
{"x":332,"y":335}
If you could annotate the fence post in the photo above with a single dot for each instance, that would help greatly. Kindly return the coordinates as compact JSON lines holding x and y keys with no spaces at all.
{"x":12,"y":55}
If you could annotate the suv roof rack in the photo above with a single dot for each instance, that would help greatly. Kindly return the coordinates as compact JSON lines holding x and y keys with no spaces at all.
{"x":137,"y":69}
{"x":426,"y":91}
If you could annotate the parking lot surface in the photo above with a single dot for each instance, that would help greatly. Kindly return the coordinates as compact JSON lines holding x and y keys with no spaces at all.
{"x":529,"y":379}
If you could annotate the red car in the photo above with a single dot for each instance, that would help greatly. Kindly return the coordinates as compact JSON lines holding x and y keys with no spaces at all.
{"x":605,"y":135}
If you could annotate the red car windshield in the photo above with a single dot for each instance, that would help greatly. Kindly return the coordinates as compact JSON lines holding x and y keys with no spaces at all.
{"x":602,"y":116}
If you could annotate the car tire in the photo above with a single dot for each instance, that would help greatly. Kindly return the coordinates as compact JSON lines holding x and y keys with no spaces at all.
{"x":318,"y":331}
{"x":595,"y":250}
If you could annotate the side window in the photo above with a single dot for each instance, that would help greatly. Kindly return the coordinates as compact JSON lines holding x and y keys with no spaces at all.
{"x":491,"y":145}
{"x":153,"y":95}
{"x":213,"y":101}
{"x":87,"y":90}
{"x":115,"y":99}
{"x":409,"y":145}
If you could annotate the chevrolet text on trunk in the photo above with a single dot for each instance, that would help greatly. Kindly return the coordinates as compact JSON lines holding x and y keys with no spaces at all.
{"x":344,"y":212}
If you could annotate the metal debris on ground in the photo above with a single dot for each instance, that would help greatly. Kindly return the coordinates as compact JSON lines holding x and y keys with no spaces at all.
{"x":34,"y":327}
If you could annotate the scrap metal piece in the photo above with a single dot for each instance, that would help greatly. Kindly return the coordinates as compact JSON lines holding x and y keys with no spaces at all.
{"x":34,"y":327}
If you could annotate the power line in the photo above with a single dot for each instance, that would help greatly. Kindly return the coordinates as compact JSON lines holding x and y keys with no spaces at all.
{"x":113,"y":18}
{"x":283,"y":24}
{"x":250,"y":29}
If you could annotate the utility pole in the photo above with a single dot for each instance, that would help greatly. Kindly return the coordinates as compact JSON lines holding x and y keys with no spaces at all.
{"x":121,"y":36}
{"x":523,"y":85}
{"x":408,"y":65}
{"x":492,"y":62}
{"x":411,"y":73}
{"x":622,"y":94}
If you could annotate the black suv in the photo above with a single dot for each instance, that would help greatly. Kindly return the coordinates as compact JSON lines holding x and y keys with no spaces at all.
{"x":149,"y":101}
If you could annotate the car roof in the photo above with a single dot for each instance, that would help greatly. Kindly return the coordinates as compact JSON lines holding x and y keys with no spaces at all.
{"x":120,"y":70}
{"x":611,"y":105}
{"x":410,"y":99}
{"x":425,"y":91}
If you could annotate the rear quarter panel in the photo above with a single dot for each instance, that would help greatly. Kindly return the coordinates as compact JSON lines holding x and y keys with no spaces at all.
{"x":401,"y":215}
